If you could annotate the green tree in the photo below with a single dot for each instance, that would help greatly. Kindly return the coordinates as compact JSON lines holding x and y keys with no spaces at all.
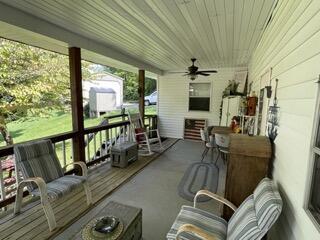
{"x":32,"y":82}
{"x":130,"y":86}
{"x":150,"y":86}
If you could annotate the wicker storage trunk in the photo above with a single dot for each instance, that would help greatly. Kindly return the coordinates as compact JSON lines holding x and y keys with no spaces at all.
{"x":123,"y":154}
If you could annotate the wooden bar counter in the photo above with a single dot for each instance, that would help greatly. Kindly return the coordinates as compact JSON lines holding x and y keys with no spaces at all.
{"x":247,"y":165}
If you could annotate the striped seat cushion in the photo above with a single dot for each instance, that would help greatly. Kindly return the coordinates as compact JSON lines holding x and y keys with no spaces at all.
{"x":38,"y":159}
{"x":208,"y":222}
{"x":256,"y":214}
{"x":268,"y":204}
{"x":62,"y":186}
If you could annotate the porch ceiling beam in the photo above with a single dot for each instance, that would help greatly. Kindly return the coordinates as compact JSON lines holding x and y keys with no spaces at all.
{"x":27,"y":21}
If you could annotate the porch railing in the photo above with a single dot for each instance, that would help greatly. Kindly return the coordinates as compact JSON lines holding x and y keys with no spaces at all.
{"x":98,"y":142}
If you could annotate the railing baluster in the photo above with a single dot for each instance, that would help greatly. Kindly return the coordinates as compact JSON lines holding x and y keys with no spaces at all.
{"x":64,"y":154}
{"x":2,"y":190}
{"x":128,"y":132}
{"x":100,"y":135}
{"x":122,"y":134}
{"x":88,"y":147}
{"x":71,"y":149}
{"x":111,"y":137}
{"x":94,"y":146}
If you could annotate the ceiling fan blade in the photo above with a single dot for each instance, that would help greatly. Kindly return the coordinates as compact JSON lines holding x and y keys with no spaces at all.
{"x":203,"y":74}
{"x":208,"y":71}
{"x":178,"y":72}
{"x":186,"y":74}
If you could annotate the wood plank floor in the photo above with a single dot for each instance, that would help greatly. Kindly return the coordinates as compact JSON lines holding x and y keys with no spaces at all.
{"x":32,"y":224}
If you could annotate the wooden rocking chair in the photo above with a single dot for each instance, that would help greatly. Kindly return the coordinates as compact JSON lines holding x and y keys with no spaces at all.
{"x":142,"y":136}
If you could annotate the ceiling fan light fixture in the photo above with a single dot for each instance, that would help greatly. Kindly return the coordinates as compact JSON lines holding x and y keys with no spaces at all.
{"x":193,"y":77}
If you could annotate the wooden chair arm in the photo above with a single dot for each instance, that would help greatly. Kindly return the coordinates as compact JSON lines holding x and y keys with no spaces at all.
{"x":215,"y":197}
{"x":195,"y":230}
{"x":83,"y":166}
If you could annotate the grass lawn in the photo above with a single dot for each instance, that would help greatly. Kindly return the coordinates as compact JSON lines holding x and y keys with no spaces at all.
{"x":57,"y":122}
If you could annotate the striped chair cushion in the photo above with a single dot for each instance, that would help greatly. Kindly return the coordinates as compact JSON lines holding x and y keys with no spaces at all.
{"x":243,"y":223}
{"x":208,"y":222}
{"x":268,"y":204}
{"x":62,"y":186}
{"x":257,"y":213}
{"x":38,"y":159}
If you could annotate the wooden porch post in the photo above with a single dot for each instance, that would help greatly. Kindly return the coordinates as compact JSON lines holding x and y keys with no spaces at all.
{"x":141,"y":89}
{"x":76,"y":103}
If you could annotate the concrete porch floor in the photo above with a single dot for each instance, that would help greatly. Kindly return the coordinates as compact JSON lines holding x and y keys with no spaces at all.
{"x":155,"y":191}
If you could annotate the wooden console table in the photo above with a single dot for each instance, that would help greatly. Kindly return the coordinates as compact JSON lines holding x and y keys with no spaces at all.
{"x":248,"y":163}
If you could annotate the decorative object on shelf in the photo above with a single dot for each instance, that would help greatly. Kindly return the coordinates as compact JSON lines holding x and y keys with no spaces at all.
{"x":110,"y":228}
{"x":273,"y":117}
{"x":250,"y":127}
{"x":251,"y":106}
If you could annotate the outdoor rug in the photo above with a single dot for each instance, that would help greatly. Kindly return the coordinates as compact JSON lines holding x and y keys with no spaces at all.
{"x":199,"y":176}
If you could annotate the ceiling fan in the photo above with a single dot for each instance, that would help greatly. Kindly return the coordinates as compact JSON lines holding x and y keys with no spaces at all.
{"x":193,"y":71}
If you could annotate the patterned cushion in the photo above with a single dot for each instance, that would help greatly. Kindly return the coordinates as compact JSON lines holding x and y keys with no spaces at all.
{"x":210,"y":223}
{"x":62,"y":186}
{"x":268,"y":204}
{"x":38,"y":159}
{"x":257,"y":213}
{"x":243,"y":223}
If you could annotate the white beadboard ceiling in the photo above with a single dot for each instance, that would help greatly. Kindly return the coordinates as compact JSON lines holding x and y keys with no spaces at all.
{"x":163,"y":34}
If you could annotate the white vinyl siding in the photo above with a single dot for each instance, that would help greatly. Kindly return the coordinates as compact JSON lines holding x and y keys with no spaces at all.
{"x":290,"y":46}
{"x":173,"y":97}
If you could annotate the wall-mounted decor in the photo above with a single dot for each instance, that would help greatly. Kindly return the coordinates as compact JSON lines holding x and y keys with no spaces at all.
{"x":192,"y":128}
{"x":273,"y":117}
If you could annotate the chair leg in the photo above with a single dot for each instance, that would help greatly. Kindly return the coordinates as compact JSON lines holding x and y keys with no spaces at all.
{"x":204,"y":153}
{"x":88,"y":192}
{"x":49,"y":214}
{"x":218,"y":155}
{"x":149,"y":147}
{"x":18,"y":202}
{"x":159,"y":139}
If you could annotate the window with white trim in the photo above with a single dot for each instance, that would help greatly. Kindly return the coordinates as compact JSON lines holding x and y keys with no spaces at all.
{"x":199,"y":96}
{"x":314,"y":198}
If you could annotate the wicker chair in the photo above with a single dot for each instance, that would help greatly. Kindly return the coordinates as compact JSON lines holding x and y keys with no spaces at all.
{"x":43,"y":176}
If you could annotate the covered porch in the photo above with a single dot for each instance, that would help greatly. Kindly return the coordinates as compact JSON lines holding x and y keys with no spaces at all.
{"x":151,"y":183}
{"x":269,"y":49}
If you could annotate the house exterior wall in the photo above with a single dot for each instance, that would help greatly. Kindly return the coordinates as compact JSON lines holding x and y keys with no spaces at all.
{"x":290,"y":46}
{"x":173,"y":100}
